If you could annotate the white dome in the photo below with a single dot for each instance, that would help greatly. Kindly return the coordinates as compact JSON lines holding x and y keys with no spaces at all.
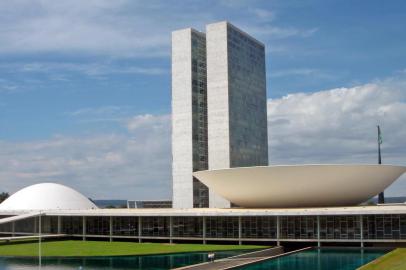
{"x":47,"y":196}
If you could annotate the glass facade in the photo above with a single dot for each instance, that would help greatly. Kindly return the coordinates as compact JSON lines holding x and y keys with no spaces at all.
{"x":345,"y":227}
{"x":199,"y":117}
{"x":71,"y":225}
{"x":29,"y":225}
{"x":384,"y":227}
{"x":6,"y":227}
{"x":155,"y":226}
{"x":125,"y":226}
{"x":187,"y":226}
{"x":247,"y":90}
{"x":98,"y":225}
{"x":340,"y":227}
{"x":222,"y":227}
{"x":259,"y":227}
{"x":49,"y":224}
{"x":301,"y":227}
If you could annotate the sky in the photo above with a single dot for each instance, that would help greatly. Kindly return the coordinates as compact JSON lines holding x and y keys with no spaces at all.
{"x":85,"y":87}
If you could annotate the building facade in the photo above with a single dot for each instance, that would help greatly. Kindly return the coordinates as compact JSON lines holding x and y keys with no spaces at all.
{"x":219,"y":115}
{"x":189,"y":118}
{"x":236,"y":95}
{"x":364,"y":226}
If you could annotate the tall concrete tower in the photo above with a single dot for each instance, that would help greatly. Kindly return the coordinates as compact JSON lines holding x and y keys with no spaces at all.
{"x":236,"y":98}
{"x":219,"y":117}
{"x":189,"y":118}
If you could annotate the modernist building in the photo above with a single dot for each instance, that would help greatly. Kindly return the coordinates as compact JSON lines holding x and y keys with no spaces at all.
{"x":189,"y":118}
{"x":219,"y":123}
{"x":219,"y":117}
{"x":362,"y":225}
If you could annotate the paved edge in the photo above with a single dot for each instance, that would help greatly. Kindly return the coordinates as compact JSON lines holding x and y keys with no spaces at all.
{"x":253,"y":256}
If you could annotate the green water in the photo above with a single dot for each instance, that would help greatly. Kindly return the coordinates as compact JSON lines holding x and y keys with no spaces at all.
{"x":157,"y":262}
{"x":326,"y":259}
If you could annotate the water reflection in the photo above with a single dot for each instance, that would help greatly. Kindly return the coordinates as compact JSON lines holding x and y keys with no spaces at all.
{"x":321,"y":259}
{"x":122,"y":262}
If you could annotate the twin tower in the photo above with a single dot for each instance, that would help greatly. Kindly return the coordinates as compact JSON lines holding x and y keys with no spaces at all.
{"x":219,"y":115}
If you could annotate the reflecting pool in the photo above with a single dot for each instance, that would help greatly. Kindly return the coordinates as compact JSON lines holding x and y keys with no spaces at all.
{"x":156,"y":262}
{"x":317,"y":259}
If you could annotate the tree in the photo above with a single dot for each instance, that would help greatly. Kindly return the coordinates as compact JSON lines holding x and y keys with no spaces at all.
{"x":3,"y":196}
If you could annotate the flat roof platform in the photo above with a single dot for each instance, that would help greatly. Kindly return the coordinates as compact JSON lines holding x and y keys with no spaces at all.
{"x":350,"y":210}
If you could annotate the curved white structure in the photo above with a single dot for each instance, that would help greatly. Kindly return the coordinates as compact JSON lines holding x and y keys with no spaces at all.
{"x":300,"y":185}
{"x":47,"y":196}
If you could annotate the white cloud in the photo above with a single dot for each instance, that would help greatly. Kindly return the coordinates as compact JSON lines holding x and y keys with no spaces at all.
{"x":312,"y":124}
{"x":105,"y":110}
{"x":332,"y":126}
{"x":270,"y":31}
{"x":110,"y":113}
{"x":339,"y":126}
{"x":78,"y":26}
{"x":120,"y":28}
{"x":7,"y":86}
{"x":313,"y":72}
{"x":133,"y":166}
{"x":264,"y":14}
{"x":148,"y":122}
{"x":90,"y":69}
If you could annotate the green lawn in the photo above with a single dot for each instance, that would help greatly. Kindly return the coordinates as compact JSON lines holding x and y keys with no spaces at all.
{"x":101,"y":248}
{"x":395,"y":260}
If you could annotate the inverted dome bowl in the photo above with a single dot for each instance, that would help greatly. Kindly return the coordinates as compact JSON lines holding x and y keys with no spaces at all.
{"x":300,"y":185}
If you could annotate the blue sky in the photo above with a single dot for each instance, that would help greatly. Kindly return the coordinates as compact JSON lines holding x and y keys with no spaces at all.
{"x":87,"y":75}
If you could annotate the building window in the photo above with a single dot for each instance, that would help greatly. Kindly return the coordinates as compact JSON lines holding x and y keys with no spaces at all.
{"x":98,"y":225}
{"x":155,"y":226}
{"x":222,"y":227}
{"x":187,"y":226}
{"x":125,"y":226}
{"x":71,"y":225}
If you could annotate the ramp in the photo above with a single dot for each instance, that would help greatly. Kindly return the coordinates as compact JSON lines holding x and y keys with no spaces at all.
{"x":234,"y":261}
{"x":19,"y":217}
{"x":29,"y":237}
{"x":241,"y":260}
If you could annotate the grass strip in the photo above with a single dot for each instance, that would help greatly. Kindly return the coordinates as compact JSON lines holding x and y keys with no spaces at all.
{"x":394,"y":260}
{"x":78,"y":248}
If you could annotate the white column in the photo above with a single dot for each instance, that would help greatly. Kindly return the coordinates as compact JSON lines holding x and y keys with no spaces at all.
{"x":170,"y":229}
{"x":139,"y":229}
{"x":239,"y":230}
{"x":111,"y":228}
{"x":361,"y":230}
{"x":318,"y":232}
{"x":39,"y":240}
{"x":204,"y":230}
{"x":83,"y":228}
{"x":59,"y":225}
{"x":278,"y":228}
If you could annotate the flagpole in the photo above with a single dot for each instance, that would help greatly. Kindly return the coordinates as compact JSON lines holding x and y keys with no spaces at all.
{"x":381,"y":196}
{"x":379,"y":145}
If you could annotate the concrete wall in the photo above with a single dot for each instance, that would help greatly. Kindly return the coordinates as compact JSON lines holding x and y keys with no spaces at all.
{"x":217,"y":104}
{"x":182,"y":148}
